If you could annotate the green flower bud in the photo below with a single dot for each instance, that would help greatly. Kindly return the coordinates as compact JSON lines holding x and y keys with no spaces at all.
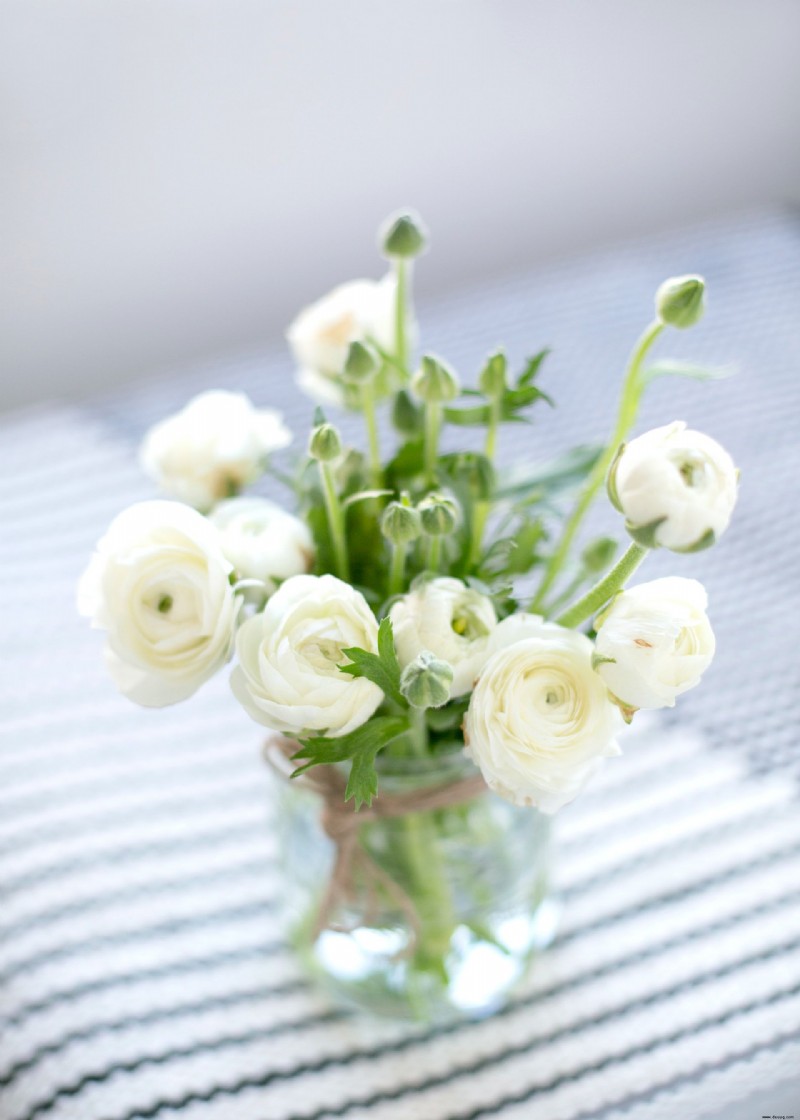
{"x":361,"y":363}
{"x":434,"y":382}
{"x":425,"y":682}
{"x":474,"y":471}
{"x":598,"y":555}
{"x":439,"y":514}
{"x":325,"y":443}
{"x":492,"y":378}
{"x":400,"y":524}
{"x":680,"y":301}
{"x":407,"y":416}
{"x":403,"y":235}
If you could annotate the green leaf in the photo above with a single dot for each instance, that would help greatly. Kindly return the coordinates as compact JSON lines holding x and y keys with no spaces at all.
{"x":361,"y":746}
{"x":383,"y":668}
{"x":532,"y":367}
{"x":562,"y":473}
{"x":528,"y":537}
{"x":672,"y":367}
{"x":512,"y":403}
{"x":364,"y":496}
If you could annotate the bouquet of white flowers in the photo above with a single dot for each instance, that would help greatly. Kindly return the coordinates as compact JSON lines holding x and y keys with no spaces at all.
{"x":421,"y":602}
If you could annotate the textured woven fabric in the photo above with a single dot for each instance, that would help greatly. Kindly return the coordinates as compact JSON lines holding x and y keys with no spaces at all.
{"x":142,"y":973}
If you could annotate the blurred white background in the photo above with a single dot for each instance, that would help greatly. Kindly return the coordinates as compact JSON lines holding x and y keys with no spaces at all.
{"x":179,"y":178}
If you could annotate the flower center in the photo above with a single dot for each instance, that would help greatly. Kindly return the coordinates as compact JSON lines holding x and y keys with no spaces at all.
{"x":467,"y":623}
{"x":693,"y":470}
{"x":323,"y":653}
{"x":164,"y":605}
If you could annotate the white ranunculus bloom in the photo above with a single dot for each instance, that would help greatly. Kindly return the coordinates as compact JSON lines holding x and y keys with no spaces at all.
{"x":676,"y":487}
{"x":321,"y":334}
{"x":212,"y":448}
{"x":288,"y":676}
{"x":540,"y":720}
{"x":158,"y":585}
{"x":449,"y":619}
{"x":263,"y":541}
{"x":659,"y":639}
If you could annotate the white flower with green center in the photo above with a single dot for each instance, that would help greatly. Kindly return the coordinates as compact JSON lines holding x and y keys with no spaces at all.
{"x":288,"y":677}
{"x":452,"y":621}
{"x":212,"y":448}
{"x":159,"y":586}
{"x":676,"y":487}
{"x":654,"y":642}
{"x":540,"y":721}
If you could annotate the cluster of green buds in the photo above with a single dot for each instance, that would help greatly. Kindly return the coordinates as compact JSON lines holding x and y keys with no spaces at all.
{"x":402,"y":524}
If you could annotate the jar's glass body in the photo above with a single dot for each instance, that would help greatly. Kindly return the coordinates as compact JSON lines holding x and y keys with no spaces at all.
{"x":445,"y":913}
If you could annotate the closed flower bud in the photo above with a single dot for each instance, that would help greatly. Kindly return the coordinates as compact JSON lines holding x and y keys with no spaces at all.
{"x":680,"y":301}
{"x":361,"y":363}
{"x":325,"y":443}
{"x":400,"y":524}
{"x":434,"y":382}
{"x":425,"y":682}
{"x":403,"y":235}
{"x":407,"y":416}
{"x":492,"y":378}
{"x":676,"y":487}
{"x":439,"y":514}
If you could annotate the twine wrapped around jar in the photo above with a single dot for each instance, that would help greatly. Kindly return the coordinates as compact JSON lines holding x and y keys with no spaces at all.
{"x":341,"y":822}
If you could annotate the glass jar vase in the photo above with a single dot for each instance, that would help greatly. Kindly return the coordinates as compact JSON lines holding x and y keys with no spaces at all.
{"x":429,"y":905}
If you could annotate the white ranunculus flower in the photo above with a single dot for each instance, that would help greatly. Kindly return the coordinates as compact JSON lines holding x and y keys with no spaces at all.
{"x":676,"y":487}
{"x":659,"y":640}
{"x":263,"y":541}
{"x":540,"y":720}
{"x":449,"y":619}
{"x":158,"y":585}
{"x":321,"y":334}
{"x":212,"y":448}
{"x":288,"y":677}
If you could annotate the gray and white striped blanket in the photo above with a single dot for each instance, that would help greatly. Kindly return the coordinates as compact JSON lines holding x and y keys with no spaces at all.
{"x":141,"y":971}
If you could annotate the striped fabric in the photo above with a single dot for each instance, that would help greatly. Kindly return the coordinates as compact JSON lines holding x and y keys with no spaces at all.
{"x":142,"y":972}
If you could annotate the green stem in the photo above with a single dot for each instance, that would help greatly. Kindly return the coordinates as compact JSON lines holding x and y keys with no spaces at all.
{"x":397,"y":569}
{"x":402,"y":273}
{"x":599,"y":595}
{"x":481,"y":513}
{"x":335,"y":521}
{"x":629,"y":404}
{"x":370,"y":417}
{"x":433,"y":424}
{"x":419,"y":726}
{"x":434,"y":554}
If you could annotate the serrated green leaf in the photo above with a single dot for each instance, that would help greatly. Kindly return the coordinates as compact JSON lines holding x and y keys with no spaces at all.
{"x":532,"y":367}
{"x":561,"y":473}
{"x":468,"y":417}
{"x":361,"y":746}
{"x":672,"y":367}
{"x":383,"y":668}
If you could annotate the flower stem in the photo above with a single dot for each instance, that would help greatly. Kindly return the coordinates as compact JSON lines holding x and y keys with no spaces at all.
{"x":598,"y":595}
{"x":434,"y":553}
{"x":433,"y":424}
{"x":628,"y":407}
{"x":402,"y":274}
{"x":397,"y":569}
{"x":481,"y":513}
{"x":335,"y":521}
{"x":368,"y":405}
